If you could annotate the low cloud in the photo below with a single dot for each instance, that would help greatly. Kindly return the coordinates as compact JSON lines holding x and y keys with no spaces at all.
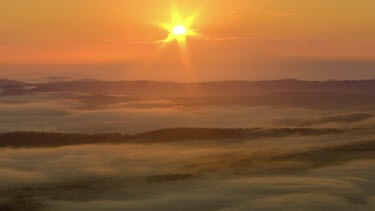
{"x":330,"y":172}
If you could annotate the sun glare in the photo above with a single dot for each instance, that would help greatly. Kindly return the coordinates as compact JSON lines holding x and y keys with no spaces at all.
{"x":179,"y":29}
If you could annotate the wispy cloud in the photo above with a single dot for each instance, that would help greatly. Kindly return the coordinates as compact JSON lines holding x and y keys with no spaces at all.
{"x":224,"y":38}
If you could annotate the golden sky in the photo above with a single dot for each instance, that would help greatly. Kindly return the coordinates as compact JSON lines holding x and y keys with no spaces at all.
{"x":242,"y":39}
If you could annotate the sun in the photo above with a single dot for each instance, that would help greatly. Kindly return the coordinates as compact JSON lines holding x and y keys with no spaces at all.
{"x":179,"y":30}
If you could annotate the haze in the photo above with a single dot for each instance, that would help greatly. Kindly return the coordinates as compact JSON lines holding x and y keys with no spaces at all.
{"x":188,"y":105}
{"x":251,"y":40}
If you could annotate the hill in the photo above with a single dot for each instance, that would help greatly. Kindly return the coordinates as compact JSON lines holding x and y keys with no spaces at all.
{"x":42,"y":139}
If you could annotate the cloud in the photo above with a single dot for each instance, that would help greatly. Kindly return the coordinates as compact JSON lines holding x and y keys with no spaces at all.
{"x":79,"y":112}
{"x":265,"y":169}
{"x":331,"y":172}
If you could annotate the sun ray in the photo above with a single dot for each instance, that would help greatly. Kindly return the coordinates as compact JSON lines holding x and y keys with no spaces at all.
{"x":179,"y":29}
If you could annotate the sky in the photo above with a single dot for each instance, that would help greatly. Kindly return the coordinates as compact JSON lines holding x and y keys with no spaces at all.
{"x":238,"y":40}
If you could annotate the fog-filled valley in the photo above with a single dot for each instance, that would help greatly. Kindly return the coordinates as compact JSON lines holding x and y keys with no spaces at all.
{"x":272,"y":145}
{"x":328,"y":171}
{"x":91,"y":106}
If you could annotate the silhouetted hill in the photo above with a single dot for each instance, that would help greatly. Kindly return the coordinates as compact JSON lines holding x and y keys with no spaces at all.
{"x":94,"y":94}
{"x":176,"y":134}
{"x":41,"y":139}
{"x":11,"y":84}
{"x":219,"y":88}
{"x":14,"y":92}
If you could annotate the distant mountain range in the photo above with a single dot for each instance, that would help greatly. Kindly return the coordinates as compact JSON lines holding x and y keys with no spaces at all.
{"x":175,"y":88}
{"x":250,"y":93}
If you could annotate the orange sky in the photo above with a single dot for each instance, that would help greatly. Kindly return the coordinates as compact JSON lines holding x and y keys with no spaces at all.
{"x":245,"y":39}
